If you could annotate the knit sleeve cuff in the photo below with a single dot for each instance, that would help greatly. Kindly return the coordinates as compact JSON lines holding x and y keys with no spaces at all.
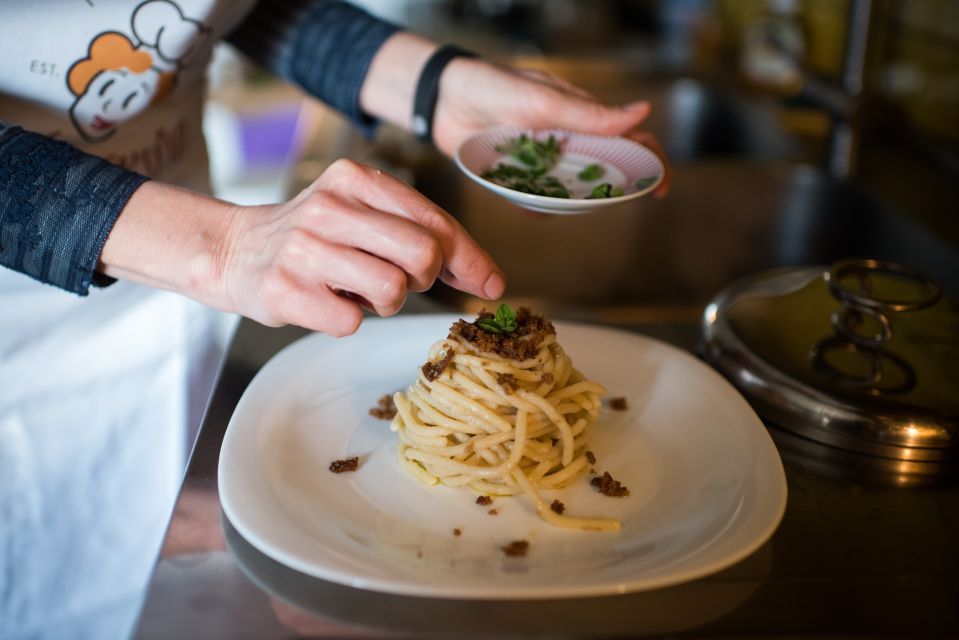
{"x":325,"y":47}
{"x":57,"y":207}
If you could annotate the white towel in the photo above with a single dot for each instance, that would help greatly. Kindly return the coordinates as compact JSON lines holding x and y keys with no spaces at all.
{"x":95,"y":407}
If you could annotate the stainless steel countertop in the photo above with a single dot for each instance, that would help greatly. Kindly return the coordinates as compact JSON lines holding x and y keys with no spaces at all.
{"x":861,"y":551}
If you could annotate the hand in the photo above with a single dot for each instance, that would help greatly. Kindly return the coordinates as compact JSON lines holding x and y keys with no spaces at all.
{"x":356,"y":237}
{"x":475,"y":94}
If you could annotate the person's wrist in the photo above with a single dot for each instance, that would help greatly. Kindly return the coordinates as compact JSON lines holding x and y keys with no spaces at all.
{"x":212,"y":270}
{"x":457,"y":114}
{"x":170,"y":238}
{"x":426,"y":95}
{"x":389,"y":85}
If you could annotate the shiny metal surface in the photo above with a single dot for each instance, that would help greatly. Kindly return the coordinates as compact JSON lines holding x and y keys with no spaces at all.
{"x":671,"y":610}
{"x":771,"y":335}
{"x":859,"y":552}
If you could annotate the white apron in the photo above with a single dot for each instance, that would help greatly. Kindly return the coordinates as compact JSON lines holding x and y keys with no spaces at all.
{"x":98,"y":394}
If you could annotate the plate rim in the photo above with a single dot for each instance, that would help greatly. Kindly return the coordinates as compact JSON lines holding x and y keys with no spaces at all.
{"x":547,"y":204}
{"x":768,"y":455}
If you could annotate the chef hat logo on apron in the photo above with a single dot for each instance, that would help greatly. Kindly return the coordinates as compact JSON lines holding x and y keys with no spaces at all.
{"x":120,"y":77}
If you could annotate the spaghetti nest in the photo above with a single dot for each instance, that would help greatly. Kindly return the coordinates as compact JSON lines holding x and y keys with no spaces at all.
{"x":503,"y":414}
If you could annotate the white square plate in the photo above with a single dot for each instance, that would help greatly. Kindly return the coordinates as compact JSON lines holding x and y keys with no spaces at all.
{"x":707,"y":485}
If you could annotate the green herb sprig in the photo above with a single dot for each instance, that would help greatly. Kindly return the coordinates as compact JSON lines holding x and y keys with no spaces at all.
{"x":539,"y":155}
{"x":519,"y":179}
{"x":503,"y":322}
{"x":536,"y":157}
{"x":605,"y":190}
{"x":591,"y":172}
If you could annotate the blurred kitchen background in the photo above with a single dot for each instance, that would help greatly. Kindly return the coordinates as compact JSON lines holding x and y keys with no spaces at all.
{"x":800,"y":132}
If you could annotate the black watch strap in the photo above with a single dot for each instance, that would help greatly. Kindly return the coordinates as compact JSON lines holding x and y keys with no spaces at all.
{"x":428,"y":88}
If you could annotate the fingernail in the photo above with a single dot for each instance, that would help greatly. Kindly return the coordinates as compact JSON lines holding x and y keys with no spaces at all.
{"x":639,"y":105}
{"x":495,"y":285}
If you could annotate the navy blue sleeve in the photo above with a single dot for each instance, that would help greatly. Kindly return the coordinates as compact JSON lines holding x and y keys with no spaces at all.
{"x":57,"y":207}
{"x":325,"y":47}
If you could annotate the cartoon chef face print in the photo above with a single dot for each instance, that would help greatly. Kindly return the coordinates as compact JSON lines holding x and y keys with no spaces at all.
{"x":119,"y":78}
{"x":112,"y":85}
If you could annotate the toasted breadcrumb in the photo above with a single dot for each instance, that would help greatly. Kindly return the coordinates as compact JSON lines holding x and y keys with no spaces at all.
{"x":433,"y":370}
{"x":385,"y":409}
{"x":520,"y":344}
{"x":347,"y":464}
{"x":618,"y":404}
{"x":516,"y":548}
{"x":508,"y":382}
{"x":607,"y":486}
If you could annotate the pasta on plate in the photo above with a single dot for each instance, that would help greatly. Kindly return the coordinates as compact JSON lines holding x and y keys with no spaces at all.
{"x":499,"y":407}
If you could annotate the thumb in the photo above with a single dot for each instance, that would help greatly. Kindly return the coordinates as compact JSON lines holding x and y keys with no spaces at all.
{"x":587,"y":116}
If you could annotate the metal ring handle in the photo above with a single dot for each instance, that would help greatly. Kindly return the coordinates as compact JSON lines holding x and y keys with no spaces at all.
{"x":845,"y":321}
{"x":826,"y":368}
{"x":930,"y":289}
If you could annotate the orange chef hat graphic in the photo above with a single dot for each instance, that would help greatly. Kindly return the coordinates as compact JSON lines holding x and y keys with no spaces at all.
{"x":112,"y":50}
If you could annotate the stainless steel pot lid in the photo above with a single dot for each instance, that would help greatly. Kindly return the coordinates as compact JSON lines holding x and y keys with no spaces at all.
{"x":863,"y":355}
